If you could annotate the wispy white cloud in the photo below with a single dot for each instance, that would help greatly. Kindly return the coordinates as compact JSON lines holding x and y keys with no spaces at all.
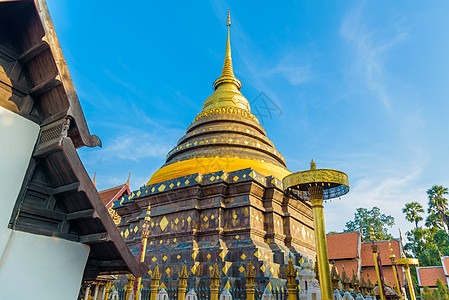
{"x":385,"y":184}
{"x":133,"y":147}
{"x":371,"y":49}
{"x":292,"y":70}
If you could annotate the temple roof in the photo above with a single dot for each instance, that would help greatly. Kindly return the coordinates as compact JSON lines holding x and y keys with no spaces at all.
{"x":343,"y":245}
{"x":384,"y":249}
{"x":428,"y":276}
{"x":111,"y":194}
{"x":225,"y":136}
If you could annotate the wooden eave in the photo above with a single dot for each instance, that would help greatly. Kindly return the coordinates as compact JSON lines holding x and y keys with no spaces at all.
{"x":36,"y":71}
{"x":57,"y":197}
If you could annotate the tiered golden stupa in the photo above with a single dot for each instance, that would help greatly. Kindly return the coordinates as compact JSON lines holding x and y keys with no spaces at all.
{"x":219,"y":198}
{"x":225,"y":136}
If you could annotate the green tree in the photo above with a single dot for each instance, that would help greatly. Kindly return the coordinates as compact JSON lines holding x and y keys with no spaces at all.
{"x":438,"y":216}
{"x":417,"y":241}
{"x":412,"y":212}
{"x":440,"y":293}
{"x":425,"y":244}
{"x":371,"y":219}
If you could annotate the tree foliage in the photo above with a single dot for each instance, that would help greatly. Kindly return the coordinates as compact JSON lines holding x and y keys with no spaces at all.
{"x":438,"y":212}
{"x":441,"y":293}
{"x":371,"y":219}
{"x":429,"y":242}
{"x":413,"y":211}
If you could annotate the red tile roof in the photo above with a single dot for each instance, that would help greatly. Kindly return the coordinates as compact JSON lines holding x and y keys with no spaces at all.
{"x":428,"y":276}
{"x":367,"y":253}
{"x":388,"y":274}
{"x":350,"y":266}
{"x":445,"y":261}
{"x":110,"y":195}
{"x":342,"y":245}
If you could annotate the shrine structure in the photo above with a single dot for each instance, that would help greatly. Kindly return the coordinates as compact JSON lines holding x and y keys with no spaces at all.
{"x":219,"y":198}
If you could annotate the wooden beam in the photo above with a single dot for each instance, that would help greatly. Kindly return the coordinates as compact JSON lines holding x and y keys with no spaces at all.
{"x":44,"y":86}
{"x":8,"y":52}
{"x":15,"y":71}
{"x":65,"y":188}
{"x":50,"y":191}
{"x":35,"y":50}
{"x":50,"y":203}
{"x":42,"y":212}
{"x":20,"y":198}
{"x":15,"y":85}
{"x":64,"y":227}
{"x":95,"y":238}
{"x":27,"y":105}
{"x":82,"y":214}
{"x":107,"y":263}
{"x":42,"y":231}
{"x":40,"y":188}
{"x":54,"y":118}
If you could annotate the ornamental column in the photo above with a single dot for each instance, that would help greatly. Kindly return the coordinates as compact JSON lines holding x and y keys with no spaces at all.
{"x":182,"y":287}
{"x":87,"y":292}
{"x":317,"y":185}
{"x":129,"y":286}
{"x":406,"y":263}
{"x":155,"y":283}
{"x":392,"y":258}
{"x":291,"y":274}
{"x":250,"y":276}
{"x":214,"y":282}
{"x":145,"y":235}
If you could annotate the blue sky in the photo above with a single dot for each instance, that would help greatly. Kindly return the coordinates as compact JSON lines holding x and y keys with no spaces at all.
{"x":357,"y":86}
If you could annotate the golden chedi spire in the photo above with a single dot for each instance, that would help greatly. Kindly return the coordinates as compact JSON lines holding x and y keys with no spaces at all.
{"x":227,"y":86}
{"x":225,"y":136}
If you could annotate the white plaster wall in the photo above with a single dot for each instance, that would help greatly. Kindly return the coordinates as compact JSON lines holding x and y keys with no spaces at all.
{"x":31,"y":266}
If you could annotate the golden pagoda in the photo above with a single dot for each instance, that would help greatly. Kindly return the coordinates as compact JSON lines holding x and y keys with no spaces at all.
{"x":219,"y":199}
{"x":225,"y":136}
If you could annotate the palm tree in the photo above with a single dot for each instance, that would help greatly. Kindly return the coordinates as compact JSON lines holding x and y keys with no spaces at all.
{"x":438,"y":204}
{"x":412,"y":212}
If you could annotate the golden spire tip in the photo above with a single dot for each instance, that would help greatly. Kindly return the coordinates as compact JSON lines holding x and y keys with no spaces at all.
{"x":312,"y":165}
{"x":227,"y":75}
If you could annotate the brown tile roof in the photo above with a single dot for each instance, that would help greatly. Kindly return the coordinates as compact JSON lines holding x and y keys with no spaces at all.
{"x":110,"y":195}
{"x":428,"y":276}
{"x":367,"y":253}
{"x":342,"y":245}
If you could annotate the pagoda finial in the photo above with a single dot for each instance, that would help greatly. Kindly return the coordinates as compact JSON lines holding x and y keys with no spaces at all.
{"x":312,"y":165}
{"x":129,"y":175}
{"x":227,"y":75}
{"x":371,"y":232}
{"x":93,"y":180}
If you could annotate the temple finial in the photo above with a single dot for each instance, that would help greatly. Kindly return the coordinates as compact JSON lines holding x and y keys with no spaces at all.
{"x":312,"y":165}
{"x":129,"y":175}
{"x":371,"y":232}
{"x":93,"y":180}
{"x":227,"y":75}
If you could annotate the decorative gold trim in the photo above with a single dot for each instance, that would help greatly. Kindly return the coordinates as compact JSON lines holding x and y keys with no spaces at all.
{"x":326,"y":177}
{"x":227,"y":110}
{"x":407,"y":261}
